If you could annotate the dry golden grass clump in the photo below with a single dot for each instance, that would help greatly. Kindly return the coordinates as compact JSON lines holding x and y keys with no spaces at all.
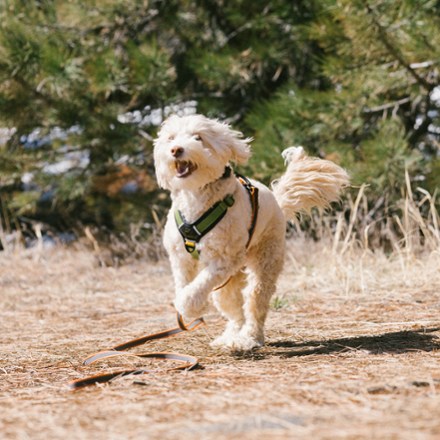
{"x":353,"y":349}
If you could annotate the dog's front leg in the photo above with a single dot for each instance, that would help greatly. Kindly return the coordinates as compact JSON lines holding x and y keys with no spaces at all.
{"x":183,"y":269}
{"x":192,"y":300}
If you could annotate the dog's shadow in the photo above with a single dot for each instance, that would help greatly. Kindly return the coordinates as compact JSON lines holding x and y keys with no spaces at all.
{"x":395,"y":342}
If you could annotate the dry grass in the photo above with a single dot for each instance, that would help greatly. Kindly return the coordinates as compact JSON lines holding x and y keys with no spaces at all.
{"x":353,"y":349}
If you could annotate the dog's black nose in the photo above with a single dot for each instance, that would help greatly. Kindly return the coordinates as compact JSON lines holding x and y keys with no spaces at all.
{"x":177,"y":151}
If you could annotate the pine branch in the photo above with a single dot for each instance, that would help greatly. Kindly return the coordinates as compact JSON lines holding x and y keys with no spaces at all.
{"x":388,"y":105}
{"x":395,"y":52}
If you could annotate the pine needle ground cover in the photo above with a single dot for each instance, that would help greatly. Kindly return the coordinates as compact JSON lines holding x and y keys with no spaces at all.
{"x":353,"y":351}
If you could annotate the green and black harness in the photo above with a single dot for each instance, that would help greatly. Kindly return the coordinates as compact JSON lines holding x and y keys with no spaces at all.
{"x":192,"y":233}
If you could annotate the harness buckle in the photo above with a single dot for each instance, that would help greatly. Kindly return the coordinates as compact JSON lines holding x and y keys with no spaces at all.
{"x":190,"y":232}
{"x":190,"y":246}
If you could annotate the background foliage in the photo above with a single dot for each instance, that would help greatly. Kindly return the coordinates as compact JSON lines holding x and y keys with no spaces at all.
{"x":84,"y":85}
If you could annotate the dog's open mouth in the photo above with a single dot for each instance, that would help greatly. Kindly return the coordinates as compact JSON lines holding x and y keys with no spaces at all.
{"x":184,"y":168}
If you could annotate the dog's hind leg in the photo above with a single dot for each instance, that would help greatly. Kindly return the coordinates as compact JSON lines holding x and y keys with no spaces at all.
{"x":229,"y":301}
{"x":264,"y":267}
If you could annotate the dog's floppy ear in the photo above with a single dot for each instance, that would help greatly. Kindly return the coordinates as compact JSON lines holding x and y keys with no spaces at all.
{"x":227,"y":142}
{"x":240,"y":147}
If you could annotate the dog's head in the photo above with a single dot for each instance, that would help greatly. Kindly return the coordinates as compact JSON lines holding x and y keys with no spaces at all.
{"x":192,"y":151}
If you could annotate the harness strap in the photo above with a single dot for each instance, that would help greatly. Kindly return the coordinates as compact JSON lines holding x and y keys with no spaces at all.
{"x":253,"y":195}
{"x":193,"y":232}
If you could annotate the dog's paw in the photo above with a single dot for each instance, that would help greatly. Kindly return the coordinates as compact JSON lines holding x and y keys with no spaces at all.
{"x":244,"y":343}
{"x":241,"y":341}
{"x":226,"y":339}
{"x":190,"y":306}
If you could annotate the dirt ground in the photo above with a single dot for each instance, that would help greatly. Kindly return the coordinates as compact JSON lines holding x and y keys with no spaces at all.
{"x":353,"y":352}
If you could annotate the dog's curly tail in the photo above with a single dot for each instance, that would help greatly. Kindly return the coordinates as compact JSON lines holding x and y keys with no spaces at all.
{"x":307,"y":183}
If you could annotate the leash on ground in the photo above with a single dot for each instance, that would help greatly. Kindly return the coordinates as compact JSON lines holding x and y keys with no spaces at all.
{"x":188,"y":362}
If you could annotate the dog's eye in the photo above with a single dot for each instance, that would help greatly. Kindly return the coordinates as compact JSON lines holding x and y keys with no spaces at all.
{"x":197,"y":137}
{"x":171,"y":137}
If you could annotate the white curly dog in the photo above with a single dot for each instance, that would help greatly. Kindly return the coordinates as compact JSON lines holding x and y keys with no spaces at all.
{"x":193,"y":157}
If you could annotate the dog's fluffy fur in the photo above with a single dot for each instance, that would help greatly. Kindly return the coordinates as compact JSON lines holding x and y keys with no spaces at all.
{"x":191,"y":154}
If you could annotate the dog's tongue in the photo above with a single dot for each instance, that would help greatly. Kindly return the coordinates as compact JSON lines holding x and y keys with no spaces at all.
{"x":182,"y":167}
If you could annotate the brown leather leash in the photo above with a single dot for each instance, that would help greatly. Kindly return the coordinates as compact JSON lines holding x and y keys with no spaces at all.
{"x":188,"y":362}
